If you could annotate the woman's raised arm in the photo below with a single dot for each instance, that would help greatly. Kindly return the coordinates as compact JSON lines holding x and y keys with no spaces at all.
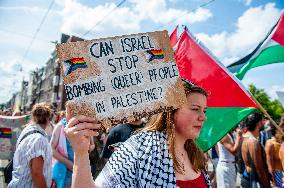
{"x":79,"y":130}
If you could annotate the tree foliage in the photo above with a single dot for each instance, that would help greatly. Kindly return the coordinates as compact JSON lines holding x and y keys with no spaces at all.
{"x":273,"y":107}
{"x":2,"y":106}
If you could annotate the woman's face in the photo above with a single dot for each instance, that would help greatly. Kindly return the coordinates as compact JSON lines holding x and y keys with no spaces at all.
{"x":190,"y":117}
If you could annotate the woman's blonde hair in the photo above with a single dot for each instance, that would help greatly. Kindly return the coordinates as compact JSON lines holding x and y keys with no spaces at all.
{"x":164,"y":122}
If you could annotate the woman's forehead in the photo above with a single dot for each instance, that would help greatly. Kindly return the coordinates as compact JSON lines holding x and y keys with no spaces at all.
{"x":196,"y":99}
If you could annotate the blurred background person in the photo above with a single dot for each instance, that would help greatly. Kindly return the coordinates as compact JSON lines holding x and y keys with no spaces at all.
{"x":58,"y":116}
{"x":50,"y":127}
{"x":265,"y":134}
{"x":253,"y":154}
{"x":228,"y":147}
{"x":63,"y":156}
{"x":272,"y":148}
{"x":281,"y":150}
{"x":119,"y":134}
{"x":213,"y":158}
{"x":33,"y":156}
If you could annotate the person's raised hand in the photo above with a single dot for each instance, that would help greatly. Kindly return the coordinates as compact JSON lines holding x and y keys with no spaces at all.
{"x":79,"y":129}
{"x":239,"y":134}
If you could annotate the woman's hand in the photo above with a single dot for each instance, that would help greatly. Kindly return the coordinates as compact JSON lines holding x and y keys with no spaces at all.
{"x":79,"y":129}
{"x":69,"y":165}
{"x":92,"y":147}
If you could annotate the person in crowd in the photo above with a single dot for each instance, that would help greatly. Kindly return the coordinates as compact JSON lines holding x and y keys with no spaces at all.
{"x":228,"y":147}
{"x":96,"y":162}
{"x":118,"y":135}
{"x":281,"y":150}
{"x":49,"y":129}
{"x":253,"y":154}
{"x":213,"y":157}
{"x":8,"y":112}
{"x":63,"y":156}
{"x":16,"y":113}
{"x":163,"y":154}
{"x":282,"y":122}
{"x":58,"y":116}
{"x":272,"y":148}
{"x":33,"y":156}
{"x":265,"y":134}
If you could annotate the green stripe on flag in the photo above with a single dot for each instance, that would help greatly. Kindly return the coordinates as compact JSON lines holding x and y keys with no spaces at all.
{"x":273,"y":54}
{"x":219,"y":122}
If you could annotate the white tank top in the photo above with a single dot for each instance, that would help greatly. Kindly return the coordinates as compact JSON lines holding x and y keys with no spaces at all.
{"x":224,"y":154}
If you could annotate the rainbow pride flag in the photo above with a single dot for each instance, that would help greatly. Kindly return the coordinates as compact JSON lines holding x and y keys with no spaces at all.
{"x":154,"y":54}
{"x":73,"y":64}
{"x":5,"y":132}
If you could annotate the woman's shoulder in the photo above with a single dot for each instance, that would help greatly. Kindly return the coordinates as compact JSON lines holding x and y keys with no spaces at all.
{"x":147,"y":137}
{"x":130,"y":159}
{"x":269,"y":142}
{"x":140,"y":142}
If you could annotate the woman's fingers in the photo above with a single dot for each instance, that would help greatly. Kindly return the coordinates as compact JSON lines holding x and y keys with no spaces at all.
{"x":86,"y":133}
{"x":80,"y":119}
{"x":67,"y":114}
{"x":82,"y":126}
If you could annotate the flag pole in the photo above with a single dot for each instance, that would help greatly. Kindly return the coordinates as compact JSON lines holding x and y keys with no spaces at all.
{"x":266,"y":114}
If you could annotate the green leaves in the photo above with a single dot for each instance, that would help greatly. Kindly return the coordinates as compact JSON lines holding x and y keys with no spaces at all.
{"x":273,"y":107}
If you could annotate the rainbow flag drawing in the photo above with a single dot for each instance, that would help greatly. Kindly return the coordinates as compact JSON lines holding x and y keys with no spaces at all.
{"x":5,"y":132}
{"x":73,"y":64}
{"x":154,"y":54}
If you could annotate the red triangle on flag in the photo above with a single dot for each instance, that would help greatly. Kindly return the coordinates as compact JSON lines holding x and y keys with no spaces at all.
{"x":174,"y":37}
{"x":278,"y":35}
{"x":197,"y":65}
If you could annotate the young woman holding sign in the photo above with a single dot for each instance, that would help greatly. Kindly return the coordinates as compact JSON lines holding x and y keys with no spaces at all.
{"x":164,"y":154}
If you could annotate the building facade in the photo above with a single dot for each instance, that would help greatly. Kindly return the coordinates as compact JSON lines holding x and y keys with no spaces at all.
{"x":45,"y":84}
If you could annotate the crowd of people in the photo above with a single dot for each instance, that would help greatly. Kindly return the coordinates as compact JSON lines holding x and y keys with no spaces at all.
{"x":56,"y":150}
{"x":255,"y":151}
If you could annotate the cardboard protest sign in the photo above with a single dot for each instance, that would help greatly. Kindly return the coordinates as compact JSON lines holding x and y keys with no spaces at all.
{"x":121,"y":79}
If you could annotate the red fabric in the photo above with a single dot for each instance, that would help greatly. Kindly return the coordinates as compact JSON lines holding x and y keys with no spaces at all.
{"x":174,"y":37}
{"x":197,"y":65}
{"x":196,"y":183}
{"x":278,"y":36}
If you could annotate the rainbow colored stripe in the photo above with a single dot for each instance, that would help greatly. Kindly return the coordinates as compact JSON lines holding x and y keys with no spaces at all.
{"x":154,"y":54}
{"x":5,"y":132}
{"x":73,"y":64}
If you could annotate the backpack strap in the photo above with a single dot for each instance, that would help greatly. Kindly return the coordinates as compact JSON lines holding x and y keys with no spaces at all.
{"x":29,"y":133}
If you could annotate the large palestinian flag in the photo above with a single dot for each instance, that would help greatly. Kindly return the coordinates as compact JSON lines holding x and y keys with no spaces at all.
{"x":270,"y":50}
{"x":228,"y":103}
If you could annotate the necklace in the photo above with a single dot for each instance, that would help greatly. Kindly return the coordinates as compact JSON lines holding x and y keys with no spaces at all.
{"x":183,"y":155}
